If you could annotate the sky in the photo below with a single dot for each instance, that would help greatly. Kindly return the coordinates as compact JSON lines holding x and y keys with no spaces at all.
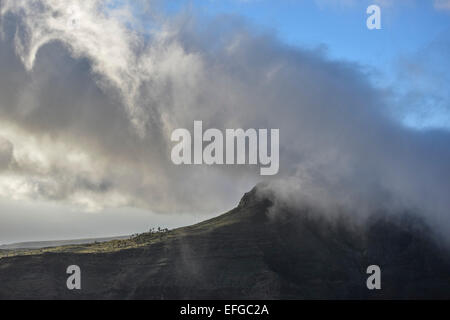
{"x":408,"y":29}
{"x":91,"y":90}
{"x":407,"y":26}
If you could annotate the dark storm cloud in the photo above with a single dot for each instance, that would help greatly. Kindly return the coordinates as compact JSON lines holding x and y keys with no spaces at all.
{"x":100,"y":101}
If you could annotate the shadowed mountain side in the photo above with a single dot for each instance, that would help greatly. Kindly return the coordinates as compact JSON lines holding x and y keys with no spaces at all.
{"x":245,"y":254}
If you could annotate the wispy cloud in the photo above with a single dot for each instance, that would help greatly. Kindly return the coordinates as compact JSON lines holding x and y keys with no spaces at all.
{"x":437,"y":4}
{"x":87,"y":112}
{"x":442,"y":4}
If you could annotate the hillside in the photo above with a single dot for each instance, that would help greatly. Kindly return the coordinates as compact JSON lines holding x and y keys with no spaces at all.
{"x":243,"y":254}
{"x":58,"y":243}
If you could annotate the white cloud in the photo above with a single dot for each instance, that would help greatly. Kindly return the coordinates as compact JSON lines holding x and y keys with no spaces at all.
{"x":438,"y":4}
{"x":442,"y":4}
{"x":104,"y":99}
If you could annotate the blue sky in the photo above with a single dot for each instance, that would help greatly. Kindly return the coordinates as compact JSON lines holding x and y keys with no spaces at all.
{"x":406,"y":26}
{"x":410,"y":29}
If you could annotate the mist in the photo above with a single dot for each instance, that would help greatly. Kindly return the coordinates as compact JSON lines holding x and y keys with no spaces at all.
{"x":91,"y":92}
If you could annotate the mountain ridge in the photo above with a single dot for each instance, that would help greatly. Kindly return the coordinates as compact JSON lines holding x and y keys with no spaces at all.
{"x":250,"y":252}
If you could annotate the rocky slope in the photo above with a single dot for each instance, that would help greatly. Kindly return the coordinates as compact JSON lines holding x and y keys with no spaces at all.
{"x":245,"y":254}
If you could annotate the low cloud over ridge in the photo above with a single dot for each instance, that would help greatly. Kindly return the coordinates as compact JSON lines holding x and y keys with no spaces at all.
{"x":90,"y":94}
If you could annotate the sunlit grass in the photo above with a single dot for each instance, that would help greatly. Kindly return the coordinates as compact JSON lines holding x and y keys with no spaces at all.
{"x":135,"y":241}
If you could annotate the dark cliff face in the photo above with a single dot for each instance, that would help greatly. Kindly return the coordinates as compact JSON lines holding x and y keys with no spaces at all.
{"x":249,"y":254}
